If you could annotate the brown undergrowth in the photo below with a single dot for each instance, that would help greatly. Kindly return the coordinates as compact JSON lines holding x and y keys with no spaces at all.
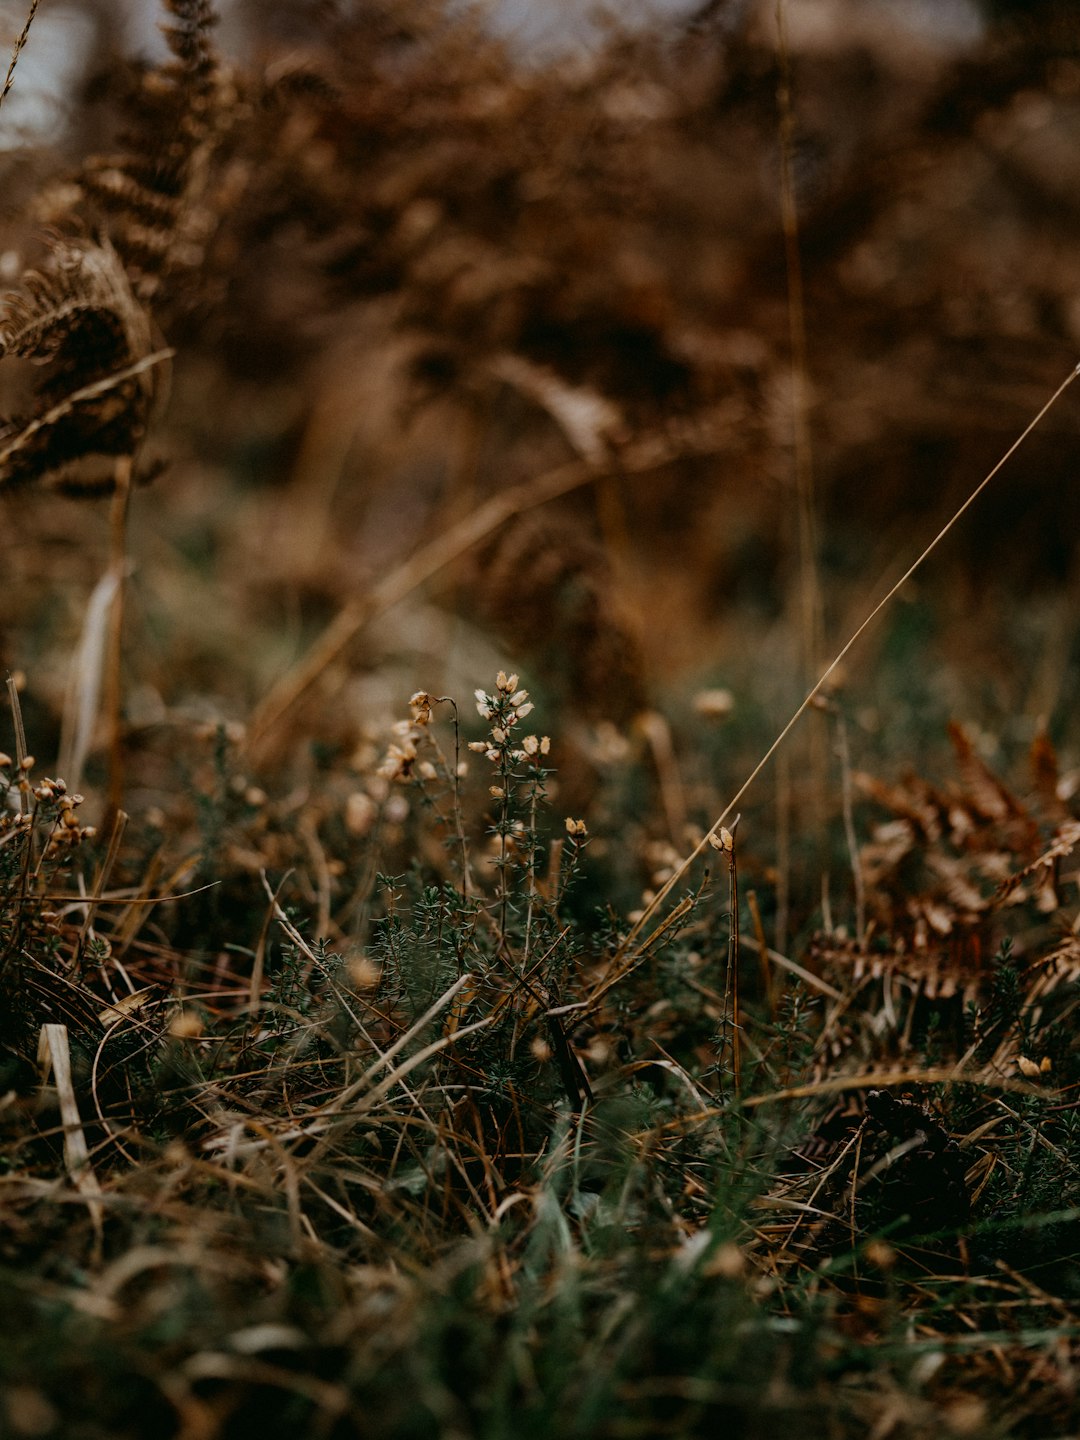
{"x":384,"y":1066}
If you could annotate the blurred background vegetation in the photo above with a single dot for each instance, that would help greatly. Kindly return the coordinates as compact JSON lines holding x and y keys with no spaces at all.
{"x":433,"y":256}
{"x":717,"y":312}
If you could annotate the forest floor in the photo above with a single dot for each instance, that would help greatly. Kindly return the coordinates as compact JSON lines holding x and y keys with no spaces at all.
{"x":480,"y":954}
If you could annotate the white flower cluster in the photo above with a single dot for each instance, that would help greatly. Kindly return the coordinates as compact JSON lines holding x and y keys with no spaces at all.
{"x":506,"y":709}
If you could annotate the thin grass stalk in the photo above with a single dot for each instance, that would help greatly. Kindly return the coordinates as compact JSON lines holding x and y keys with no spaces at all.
{"x":532,"y":893}
{"x":657,"y":734}
{"x":24,"y":762}
{"x":838,"y":659}
{"x":764,"y":962}
{"x":848,"y":808}
{"x":82,"y":701}
{"x":733,"y":963}
{"x":783,"y":850}
{"x":114,"y":679}
{"x":506,"y":780}
{"x":730,"y":999}
{"x":54,"y":1054}
{"x":455,"y":781}
{"x":118,"y":826}
{"x":258,"y":967}
{"x":20,"y":44}
{"x":810,"y":605}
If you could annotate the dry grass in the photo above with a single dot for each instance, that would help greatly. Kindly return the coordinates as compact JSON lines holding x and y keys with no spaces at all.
{"x":542,"y":1063}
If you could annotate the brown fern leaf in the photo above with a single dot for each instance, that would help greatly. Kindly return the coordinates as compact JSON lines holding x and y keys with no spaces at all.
{"x":1042,"y":870}
{"x":80,"y":283}
{"x":78,"y":318}
{"x":189,"y":39}
{"x":145,"y":192}
{"x":986,"y":796}
{"x":915,"y":802}
{"x":546,"y":585}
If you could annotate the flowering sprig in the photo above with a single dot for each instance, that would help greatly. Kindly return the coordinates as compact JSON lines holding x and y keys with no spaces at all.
{"x":519,"y":785}
{"x":40,"y":830}
{"x":47,"y":805}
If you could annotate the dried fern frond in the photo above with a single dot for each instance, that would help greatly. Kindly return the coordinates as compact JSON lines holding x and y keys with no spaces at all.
{"x":78,"y":318}
{"x":80,"y":281}
{"x":545,"y":584}
{"x":1041,"y":870}
{"x":144,"y":192}
{"x":189,"y":39}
